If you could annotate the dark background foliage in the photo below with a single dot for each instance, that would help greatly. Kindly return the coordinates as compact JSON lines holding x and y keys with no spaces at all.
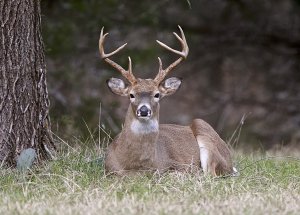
{"x":244,"y":60}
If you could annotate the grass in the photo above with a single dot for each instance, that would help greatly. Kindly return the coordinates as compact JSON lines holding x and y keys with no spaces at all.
{"x":75,"y":183}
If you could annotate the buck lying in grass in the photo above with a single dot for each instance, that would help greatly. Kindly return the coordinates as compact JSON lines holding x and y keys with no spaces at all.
{"x":143,"y":143}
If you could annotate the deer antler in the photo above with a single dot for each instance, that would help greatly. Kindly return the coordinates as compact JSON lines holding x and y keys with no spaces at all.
{"x":126,"y":73}
{"x":183,"y":55}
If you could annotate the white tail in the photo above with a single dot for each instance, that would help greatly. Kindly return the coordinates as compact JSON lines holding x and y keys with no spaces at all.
{"x":143,"y":143}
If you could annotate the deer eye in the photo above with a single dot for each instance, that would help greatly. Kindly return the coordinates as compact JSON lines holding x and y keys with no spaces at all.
{"x":131,"y":96}
{"x":156,"y":95}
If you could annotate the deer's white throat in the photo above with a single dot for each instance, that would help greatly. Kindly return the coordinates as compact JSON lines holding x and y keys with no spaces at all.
{"x":146,"y":127}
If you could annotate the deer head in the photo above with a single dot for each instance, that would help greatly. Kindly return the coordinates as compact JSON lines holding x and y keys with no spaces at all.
{"x":144,"y":94}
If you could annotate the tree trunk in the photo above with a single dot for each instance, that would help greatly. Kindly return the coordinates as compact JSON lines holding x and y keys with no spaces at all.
{"x":24,"y":103}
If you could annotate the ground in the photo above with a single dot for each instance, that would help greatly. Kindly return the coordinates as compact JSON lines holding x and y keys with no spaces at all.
{"x":75,"y":183}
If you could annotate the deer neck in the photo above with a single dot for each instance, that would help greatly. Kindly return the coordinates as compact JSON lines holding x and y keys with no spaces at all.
{"x":139,"y":141}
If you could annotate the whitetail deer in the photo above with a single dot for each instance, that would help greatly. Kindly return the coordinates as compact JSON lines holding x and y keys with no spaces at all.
{"x":143,"y":143}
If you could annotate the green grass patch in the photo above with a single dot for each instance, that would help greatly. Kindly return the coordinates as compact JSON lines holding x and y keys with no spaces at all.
{"x":75,"y":183}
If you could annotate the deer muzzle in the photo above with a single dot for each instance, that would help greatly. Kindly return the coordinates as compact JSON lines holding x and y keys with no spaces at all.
{"x":144,"y":111}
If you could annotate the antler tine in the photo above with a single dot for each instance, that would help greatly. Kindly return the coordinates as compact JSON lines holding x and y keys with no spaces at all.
{"x":126,"y":73}
{"x":183,"y":55}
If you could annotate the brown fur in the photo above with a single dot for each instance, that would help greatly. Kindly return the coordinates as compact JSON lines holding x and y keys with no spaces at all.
{"x":220,"y":162}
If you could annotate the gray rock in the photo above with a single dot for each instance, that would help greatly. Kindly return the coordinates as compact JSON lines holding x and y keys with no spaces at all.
{"x":25,"y":160}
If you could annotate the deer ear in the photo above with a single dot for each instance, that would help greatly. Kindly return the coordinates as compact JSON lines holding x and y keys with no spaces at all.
{"x":169,"y":86}
{"x":117,"y":86}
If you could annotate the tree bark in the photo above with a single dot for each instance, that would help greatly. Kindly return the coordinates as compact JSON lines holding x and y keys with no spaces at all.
{"x":24,"y":103}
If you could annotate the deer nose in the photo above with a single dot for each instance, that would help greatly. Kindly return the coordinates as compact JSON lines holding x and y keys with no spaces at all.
{"x":144,"y":111}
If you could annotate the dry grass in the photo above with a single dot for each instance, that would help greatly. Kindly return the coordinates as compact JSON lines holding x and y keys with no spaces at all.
{"x":73,"y":184}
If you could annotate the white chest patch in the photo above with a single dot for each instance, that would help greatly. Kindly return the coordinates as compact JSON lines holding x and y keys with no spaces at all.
{"x":147,"y":127}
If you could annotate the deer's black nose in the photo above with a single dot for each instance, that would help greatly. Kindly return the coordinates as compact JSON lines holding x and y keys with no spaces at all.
{"x":144,"y":111}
